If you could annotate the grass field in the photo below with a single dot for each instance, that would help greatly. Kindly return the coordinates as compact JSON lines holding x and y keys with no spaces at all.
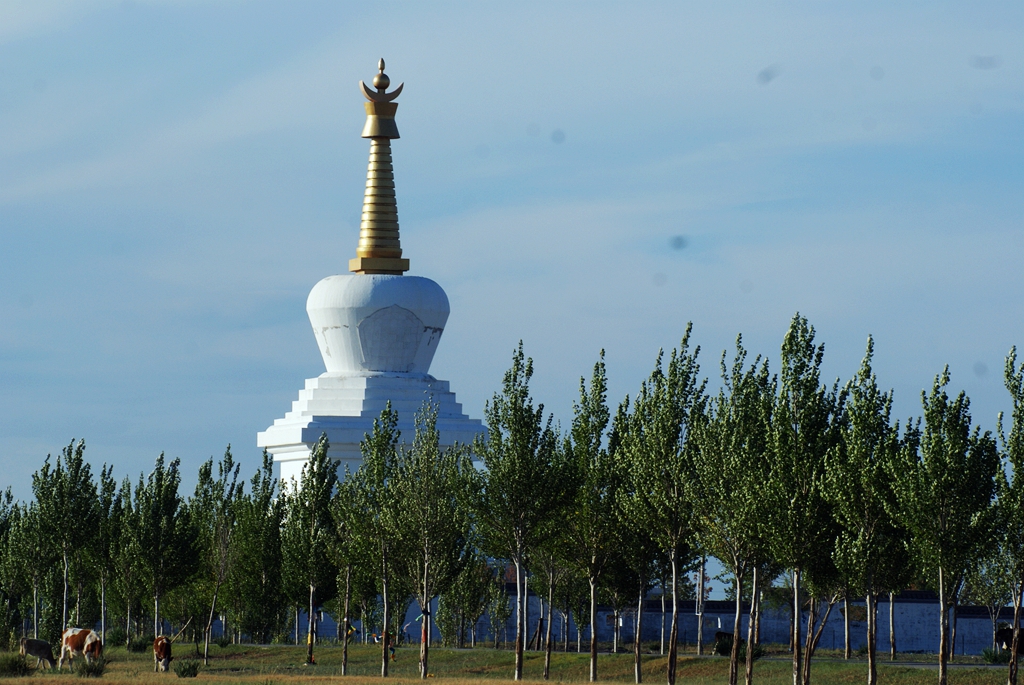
{"x":282,"y":665}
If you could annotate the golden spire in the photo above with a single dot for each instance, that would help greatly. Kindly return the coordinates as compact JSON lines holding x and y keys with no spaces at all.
{"x":379,"y":250}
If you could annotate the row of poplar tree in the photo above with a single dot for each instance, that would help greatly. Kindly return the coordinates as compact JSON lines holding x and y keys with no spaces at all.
{"x":780,"y":476}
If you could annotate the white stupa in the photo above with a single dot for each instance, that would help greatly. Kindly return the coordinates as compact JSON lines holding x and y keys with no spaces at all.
{"x":377,"y":329}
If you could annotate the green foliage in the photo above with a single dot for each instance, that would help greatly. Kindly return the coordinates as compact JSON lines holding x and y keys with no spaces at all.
{"x":374,"y":512}
{"x":117,"y":636}
{"x":465,"y":600}
{"x":524,"y":484}
{"x":432,"y":490}
{"x":91,"y":669}
{"x":590,"y":524}
{"x":995,"y":656}
{"x":945,"y":494}
{"x":13,"y":666}
{"x":1010,"y":487}
{"x":128,"y":570}
{"x":499,"y":609}
{"x":723,"y":647}
{"x":945,"y":490}
{"x":733,"y":465}
{"x":12,"y":564}
{"x":255,"y":585}
{"x":660,"y":451}
{"x":730,"y":471}
{"x":68,"y":512}
{"x":187,"y":668}
{"x":872,"y":553}
{"x":166,"y":535}
{"x":806,"y":424}
{"x":141,"y":643}
{"x":308,"y":531}
{"x":659,"y":455}
{"x":214,"y":514}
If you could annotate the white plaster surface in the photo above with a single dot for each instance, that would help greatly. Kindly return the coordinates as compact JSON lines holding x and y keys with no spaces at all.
{"x":377,"y":335}
{"x":377,"y":323}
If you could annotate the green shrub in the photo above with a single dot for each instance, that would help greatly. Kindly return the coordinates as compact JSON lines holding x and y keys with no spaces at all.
{"x":758,"y":652}
{"x":996,"y":656}
{"x":223,"y":641}
{"x":186,"y":668}
{"x":141,"y":644}
{"x":13,"y":665}
{"x":117,"y":636}
{"x":91,"y":669}
{"x":723,"y":647}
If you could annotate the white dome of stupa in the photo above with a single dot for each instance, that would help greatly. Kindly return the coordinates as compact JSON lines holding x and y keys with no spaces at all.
{"x":377,"y":330}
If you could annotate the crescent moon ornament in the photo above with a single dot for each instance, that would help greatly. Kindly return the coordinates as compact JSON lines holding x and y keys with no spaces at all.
{"x":380,"y":96}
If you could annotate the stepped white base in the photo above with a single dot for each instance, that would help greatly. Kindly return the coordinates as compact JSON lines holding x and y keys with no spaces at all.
{"x":344,"y":406}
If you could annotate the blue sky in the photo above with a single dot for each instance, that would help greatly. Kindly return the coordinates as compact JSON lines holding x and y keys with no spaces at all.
{"x":176,"y":176}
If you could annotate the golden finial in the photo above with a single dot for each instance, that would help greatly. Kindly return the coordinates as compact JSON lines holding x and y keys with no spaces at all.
{"x":379,"y":250}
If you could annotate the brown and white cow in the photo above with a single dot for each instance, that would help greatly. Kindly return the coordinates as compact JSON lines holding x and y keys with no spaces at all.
{"x":161,"y":654}
{"x":40,"y":649}
{"x":79,"y":641}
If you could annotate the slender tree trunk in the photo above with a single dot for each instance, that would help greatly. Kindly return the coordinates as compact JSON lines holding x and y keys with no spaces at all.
{"x":847,"y":652}
{"x":812,"y":619}
{"x":751,"y":623}
{"x":424,"y":641}
{"x":209,"y":626}
{"x":673,"y":636}
{"x":872,"y":612}
{"x":526,"y":606}
{"x":296,"y":624}
{"x":757,"y":617}
{"x":638,"y":673}
{"x":312,"y":618}
{"x":103,"y":609}
{"x":517,"y":674}
{"x":128,"y":624}
{"x":796,"y":628}
{"x":818,"y":633}
{"x":156,"y":613}
{"x":384,"y":638}
{"x":734,"y":653}
{"x":615,"y":631}
{"x":993,"y":614}
{"x":538,"y":631}
{"x":593,"y":629}
{"x":952,"y":632}
{"x":943,"y":629}
{"x":1011,"y":678}
{"x":551,"y":620}
{"x":64,"y":615}
{"x":892,"y":626}
{"x":699,"y":601}
{"x":662,"y":652}
{"x":35,"y":611}
{"x":425,"y":634}
{"x":346,"y":621}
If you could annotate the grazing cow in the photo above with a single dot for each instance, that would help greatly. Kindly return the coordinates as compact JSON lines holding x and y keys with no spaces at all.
{"x":1004,"y":638}
{"x":79,"y":641}
{"x":161,"y":654}
{"x":40,"y":649}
